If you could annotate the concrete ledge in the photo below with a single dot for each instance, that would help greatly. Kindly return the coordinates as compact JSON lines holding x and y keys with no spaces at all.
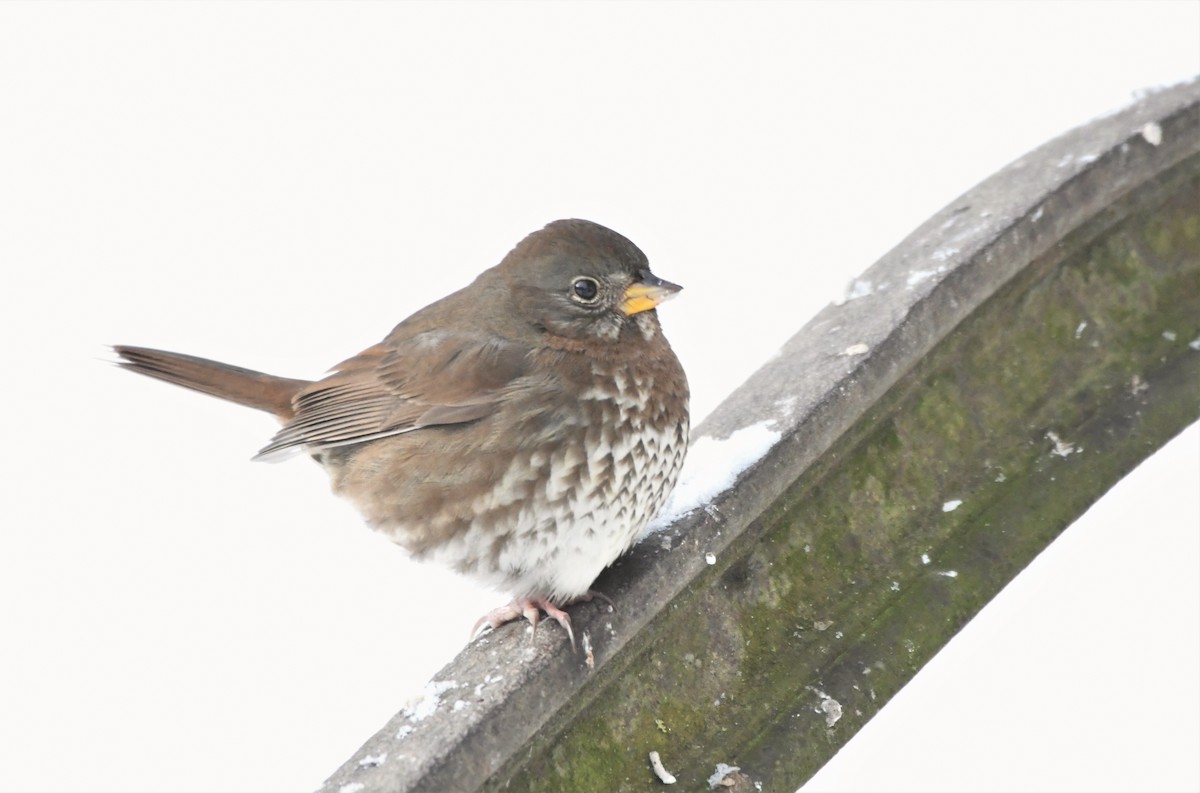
{"x":990,"y":378}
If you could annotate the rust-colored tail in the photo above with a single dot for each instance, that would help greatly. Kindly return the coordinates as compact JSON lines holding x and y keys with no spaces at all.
{"x":243,"y":386}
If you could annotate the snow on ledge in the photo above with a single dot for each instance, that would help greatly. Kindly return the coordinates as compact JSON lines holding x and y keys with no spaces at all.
{"x":712,"y":466}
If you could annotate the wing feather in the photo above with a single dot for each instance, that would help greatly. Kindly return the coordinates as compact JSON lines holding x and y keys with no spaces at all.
{"x":430,"y":379}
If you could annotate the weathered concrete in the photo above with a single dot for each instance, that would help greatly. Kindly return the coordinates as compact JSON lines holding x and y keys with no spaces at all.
{"x":1018,"y":353}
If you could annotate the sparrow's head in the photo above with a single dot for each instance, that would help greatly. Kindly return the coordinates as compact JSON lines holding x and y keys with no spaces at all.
{"x":580,"y":281}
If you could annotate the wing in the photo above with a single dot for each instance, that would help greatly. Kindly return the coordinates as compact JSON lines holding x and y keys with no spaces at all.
{"x":433,"y":378}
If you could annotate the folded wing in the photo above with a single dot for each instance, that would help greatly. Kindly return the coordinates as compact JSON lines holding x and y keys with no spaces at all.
{"x":430,"y":379}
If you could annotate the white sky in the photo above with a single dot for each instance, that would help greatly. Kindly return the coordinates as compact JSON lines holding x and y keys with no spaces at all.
{"x":277,"y":185}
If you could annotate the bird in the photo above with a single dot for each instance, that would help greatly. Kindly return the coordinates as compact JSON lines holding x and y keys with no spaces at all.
{"x":521,"y":431}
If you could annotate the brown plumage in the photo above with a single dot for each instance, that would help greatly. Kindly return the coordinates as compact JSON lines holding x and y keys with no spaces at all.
{"x":521,"y":430}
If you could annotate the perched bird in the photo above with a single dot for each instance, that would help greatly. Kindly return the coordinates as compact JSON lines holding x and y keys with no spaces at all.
{"x":521,"y":430}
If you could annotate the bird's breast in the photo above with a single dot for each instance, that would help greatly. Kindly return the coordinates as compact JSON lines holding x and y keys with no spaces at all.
{"x":580,"y":477}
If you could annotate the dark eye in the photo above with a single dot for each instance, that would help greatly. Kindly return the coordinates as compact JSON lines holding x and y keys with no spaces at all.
{"x":585,"y":289}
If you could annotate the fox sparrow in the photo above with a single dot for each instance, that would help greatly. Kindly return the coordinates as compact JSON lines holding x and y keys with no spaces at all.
{"x":521,"y":430}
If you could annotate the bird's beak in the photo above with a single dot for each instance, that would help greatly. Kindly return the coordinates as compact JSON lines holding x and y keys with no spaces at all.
{"x":646,"y":293}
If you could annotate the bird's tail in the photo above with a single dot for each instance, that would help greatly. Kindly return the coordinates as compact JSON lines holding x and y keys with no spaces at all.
{"x":243,"y":386}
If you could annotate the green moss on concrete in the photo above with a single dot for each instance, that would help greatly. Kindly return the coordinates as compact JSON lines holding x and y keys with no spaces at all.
{"x":828,"y":598}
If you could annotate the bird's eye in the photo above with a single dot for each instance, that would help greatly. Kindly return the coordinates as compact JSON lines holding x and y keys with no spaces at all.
{"x":585,"y":290}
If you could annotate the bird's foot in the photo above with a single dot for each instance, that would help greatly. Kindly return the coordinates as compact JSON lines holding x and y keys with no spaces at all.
{"x":531,"y":608}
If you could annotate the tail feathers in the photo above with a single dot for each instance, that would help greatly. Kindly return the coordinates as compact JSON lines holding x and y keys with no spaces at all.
{"x":233,"y":383}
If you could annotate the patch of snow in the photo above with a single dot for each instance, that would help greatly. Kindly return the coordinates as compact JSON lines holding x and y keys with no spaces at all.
{"x":1170,"y":335}
{"x":855,"y":349}
{"x":1081,"y":159}
{"x":1080,"y":329}
{"x":1152,"y":133}
{"x":830,"y":707}
{"x":710,"y":558}
{"x":660,"y":771}
{"x":917,"y":276}
{"x":952,"y":505}
{"x":858,"y":287}
{"x":351,"y":787}
{"x":429,"y":699}
{"x":712,"y":466}
{"x":949,"y":573}
{"x":723,"y":770}
{"x":1061,"y":448}
{"x":833,"y":711}
{"x":373,"y":760}
{"x":924,"y":558}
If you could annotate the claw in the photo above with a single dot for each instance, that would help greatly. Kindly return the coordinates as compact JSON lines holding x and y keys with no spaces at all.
{"x":592,"y":594}
{"x":562,"y":619}
{"x":531,"y":613}
{"x":496,"y":617}
{"x":531,"y":609}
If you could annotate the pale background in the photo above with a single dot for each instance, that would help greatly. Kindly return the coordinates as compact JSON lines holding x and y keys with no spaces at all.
{"x":276,"y":185}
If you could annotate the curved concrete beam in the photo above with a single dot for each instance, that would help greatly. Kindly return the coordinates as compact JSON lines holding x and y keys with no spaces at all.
{"x":907,"y":453}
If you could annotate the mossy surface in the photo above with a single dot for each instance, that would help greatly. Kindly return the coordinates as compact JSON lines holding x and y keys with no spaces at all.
{"x":863,"y":569}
